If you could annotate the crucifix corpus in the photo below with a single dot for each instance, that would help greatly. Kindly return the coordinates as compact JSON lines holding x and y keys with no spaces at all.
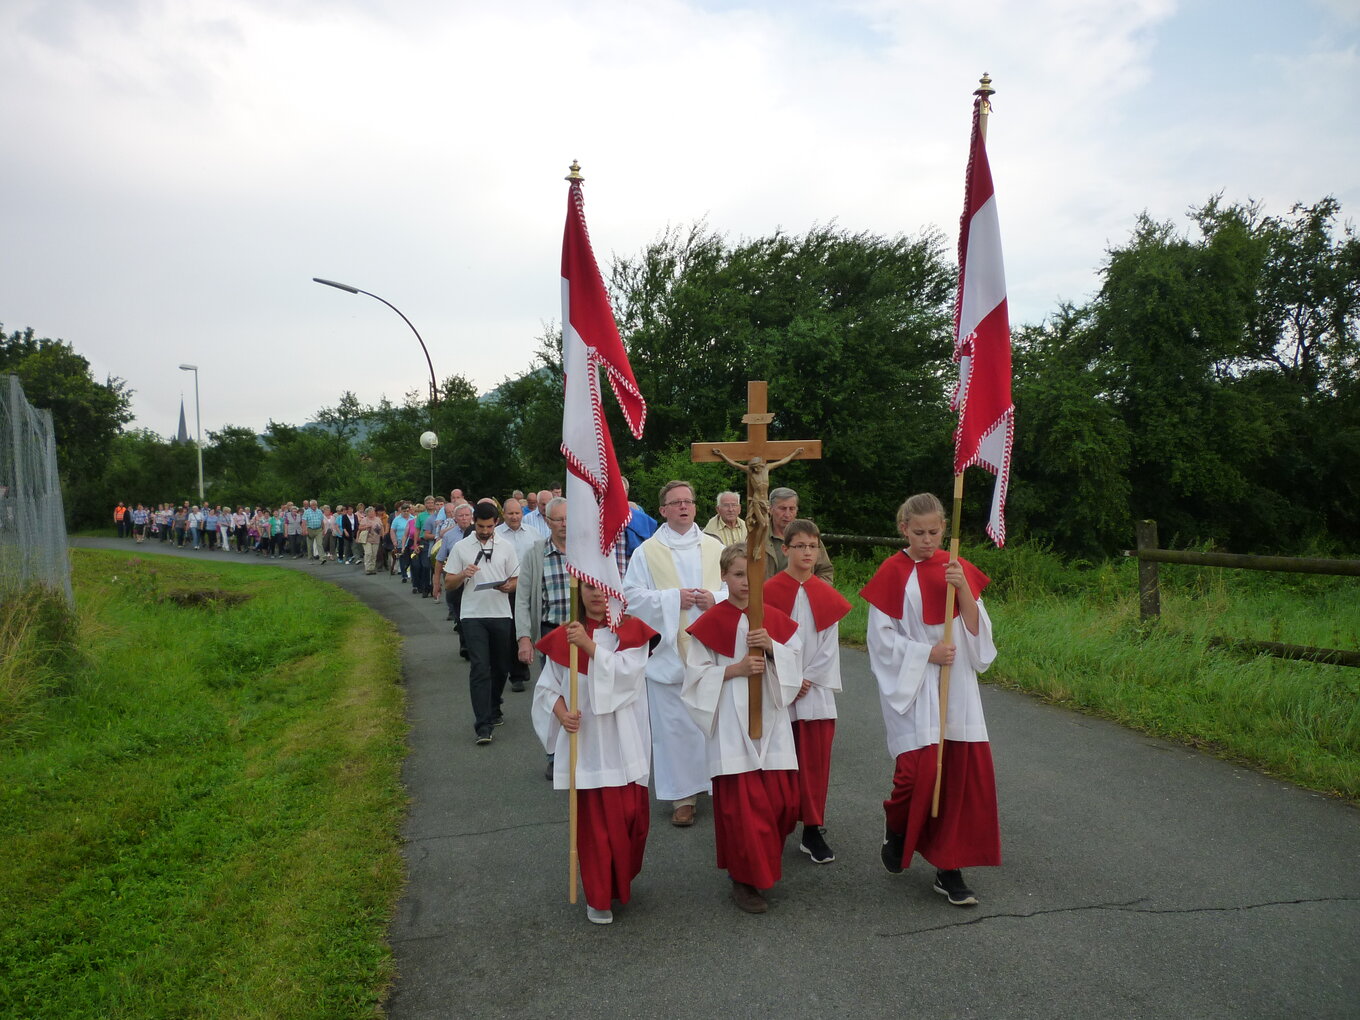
{"x":756,"y":451}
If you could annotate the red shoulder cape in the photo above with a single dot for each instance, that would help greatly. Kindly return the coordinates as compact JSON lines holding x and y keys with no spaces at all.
{"x":828,"y":605}
{"x":632,"y":633}
{"x":885,"y":588}
{"x":717,"y":628}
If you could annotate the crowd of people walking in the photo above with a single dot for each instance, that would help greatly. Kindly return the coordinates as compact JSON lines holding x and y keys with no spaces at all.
{"x":297,"y":531}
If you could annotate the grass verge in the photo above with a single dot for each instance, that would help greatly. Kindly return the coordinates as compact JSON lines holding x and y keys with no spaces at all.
{"x":1071,"y":635}
{"x":202,"y":820}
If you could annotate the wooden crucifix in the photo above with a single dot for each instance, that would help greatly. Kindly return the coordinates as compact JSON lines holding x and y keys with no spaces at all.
{"x":756,"y":451}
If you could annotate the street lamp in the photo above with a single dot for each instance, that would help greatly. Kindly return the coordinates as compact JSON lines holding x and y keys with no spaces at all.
{"x":198,"y":429}
{"x":434,"y":389}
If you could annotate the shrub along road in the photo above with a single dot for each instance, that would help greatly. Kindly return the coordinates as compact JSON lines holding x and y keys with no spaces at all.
{"x":1141,"y":878}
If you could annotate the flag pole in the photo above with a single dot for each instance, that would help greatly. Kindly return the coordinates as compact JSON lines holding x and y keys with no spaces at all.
{"x":984,"y":92}
{"x":573,"y":861}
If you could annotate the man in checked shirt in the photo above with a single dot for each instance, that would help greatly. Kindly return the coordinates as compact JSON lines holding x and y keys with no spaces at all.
{"x":542,"y":600}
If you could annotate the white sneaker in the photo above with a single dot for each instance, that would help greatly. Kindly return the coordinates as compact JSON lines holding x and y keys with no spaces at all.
{"x":599,"y":916}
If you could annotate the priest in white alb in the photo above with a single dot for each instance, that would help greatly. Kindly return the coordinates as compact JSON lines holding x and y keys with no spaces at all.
{"x":672,"y":579}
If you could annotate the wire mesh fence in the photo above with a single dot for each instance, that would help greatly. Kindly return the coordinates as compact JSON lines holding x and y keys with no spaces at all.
{"x":32,"y":519}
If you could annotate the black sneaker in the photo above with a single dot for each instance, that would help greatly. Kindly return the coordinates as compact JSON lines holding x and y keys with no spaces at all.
{"x":951,"y":884}
{"x":814,"y":845}
{"x":484,"y":737}
{"x":517,"y":686}
{"x":893,"y":844}
{"x":498,"y":721}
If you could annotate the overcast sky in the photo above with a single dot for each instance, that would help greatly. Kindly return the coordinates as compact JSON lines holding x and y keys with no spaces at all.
{"x":176,"y":172}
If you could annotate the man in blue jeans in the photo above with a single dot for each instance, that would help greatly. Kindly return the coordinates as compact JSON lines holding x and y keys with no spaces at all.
{"x":487,"y":570}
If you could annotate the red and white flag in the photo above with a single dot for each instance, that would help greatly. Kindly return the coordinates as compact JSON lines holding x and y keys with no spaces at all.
{"x":982,"y":345}
{"x":597,"y":505}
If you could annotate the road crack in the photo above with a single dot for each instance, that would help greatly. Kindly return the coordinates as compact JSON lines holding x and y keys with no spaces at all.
{"x":1125,"y":906}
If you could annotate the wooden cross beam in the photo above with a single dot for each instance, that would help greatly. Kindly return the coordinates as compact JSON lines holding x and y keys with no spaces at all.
{"x":760,"y":455}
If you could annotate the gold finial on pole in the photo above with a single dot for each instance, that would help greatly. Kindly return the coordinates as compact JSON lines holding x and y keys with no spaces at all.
{"x":575,"y":174}
{"x":984,"y":92}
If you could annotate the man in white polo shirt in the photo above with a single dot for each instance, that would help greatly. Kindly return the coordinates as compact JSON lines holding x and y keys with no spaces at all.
{"x":487,"y":571}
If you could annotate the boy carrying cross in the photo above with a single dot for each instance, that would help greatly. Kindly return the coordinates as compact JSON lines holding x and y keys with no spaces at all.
{"x":755,"y":781}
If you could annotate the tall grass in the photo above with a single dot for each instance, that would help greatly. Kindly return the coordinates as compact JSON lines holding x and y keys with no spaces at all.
{"x":201,"y":820}
{"x":1070,"y":633}
{"x":38,"y":648}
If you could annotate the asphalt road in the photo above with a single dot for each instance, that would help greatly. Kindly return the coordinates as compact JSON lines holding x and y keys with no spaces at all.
{"x":1140,"y":879}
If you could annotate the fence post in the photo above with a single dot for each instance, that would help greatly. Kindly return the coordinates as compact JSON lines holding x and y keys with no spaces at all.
{"x":1149,"y":597}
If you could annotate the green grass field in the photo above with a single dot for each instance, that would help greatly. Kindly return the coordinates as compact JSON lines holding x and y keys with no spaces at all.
{"x":200,"y":817}
{"x":1072,"y":636}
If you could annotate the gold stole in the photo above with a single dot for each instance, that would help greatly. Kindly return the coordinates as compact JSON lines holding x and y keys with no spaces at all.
{"x":661,"y":563}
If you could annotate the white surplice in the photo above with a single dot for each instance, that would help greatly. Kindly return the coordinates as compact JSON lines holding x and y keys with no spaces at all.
{"x":821,"y":663}
{"x":614,"y":743}
{"x":721,"y":708}
{"x":909,"y":685}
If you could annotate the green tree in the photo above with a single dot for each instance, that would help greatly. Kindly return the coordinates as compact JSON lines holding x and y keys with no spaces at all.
{"x":391,"y":452}
{"x":300,"y":463}
{"x":533,"y":404}
{"x":86,"y":416}
{"x":474,"y":442}
{"x":343,"y":423}
{"x":1305,"y":338}
{"x":144,"y":467}
{"x":1230,"y":354}
{"x":1070,"y":486}
{"x":850,"y":330}
{"x":1308,"y":301}
{"x":234,"y":463}
{"x":1170,"y":324}
{"x":475,"y":451}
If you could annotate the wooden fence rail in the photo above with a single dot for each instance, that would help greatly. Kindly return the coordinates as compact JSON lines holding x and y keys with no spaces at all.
{"x":897,"y":542}
{"x":1150,"y":600}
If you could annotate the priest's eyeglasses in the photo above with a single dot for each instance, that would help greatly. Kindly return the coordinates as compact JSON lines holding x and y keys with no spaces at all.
{"x":680,"y":502}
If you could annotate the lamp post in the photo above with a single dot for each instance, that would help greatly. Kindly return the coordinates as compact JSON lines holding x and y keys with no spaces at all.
{"x":434,"y":389}
{"x":198,"y":429}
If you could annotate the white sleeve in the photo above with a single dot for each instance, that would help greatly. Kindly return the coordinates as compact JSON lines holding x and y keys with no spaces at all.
{"x":899,"y":664}
{"x":616,"y":678}
{"x":979,"y":649}
{"x":549,"y":688}
{"x":822,"y":657}
{"x":702,"y":685}
{"x":784,"y":671}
